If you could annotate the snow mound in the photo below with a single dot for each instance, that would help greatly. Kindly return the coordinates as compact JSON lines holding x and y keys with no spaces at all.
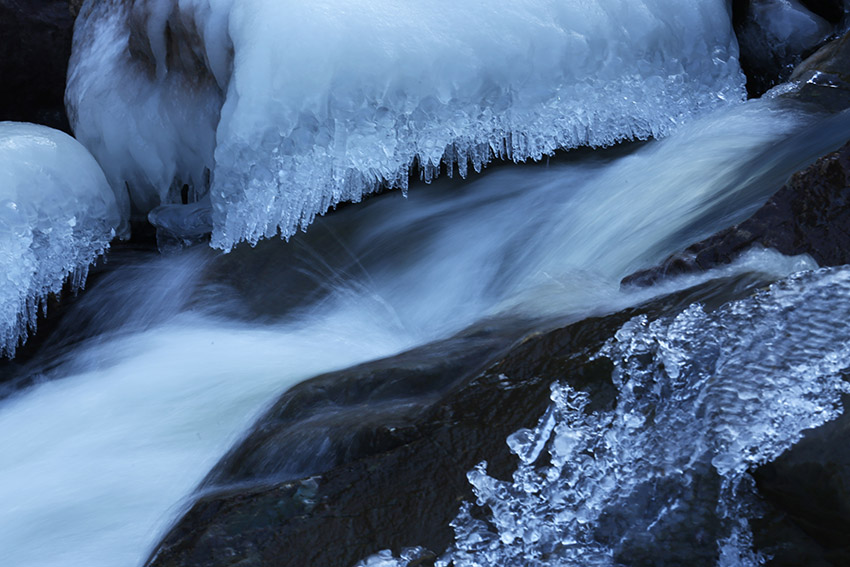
{"x":282,"y":109}
{"x":57,"y":214}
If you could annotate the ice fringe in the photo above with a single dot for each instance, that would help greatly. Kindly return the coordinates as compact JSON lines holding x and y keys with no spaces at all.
{"x":662,"y":478}
{"x":57,"y":214}
{"x":290,"y":107}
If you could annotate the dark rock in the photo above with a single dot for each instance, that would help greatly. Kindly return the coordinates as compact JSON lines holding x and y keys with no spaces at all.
{"x":74,"y":6}
{"x":811,"y":483}
{"x":35,"y":44}
{"x":830,"y":10}
{"x":343,"y":416}
{"x":773,"y":37}
{"x":809,"y":215}
{"x":400,"y":491}
{"x":823,"y":79}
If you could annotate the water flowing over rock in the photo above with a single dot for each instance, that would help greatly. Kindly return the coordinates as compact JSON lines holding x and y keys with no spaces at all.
{"x":809,"y":215}
{"x":250,"y":103}
{"x":404,"y":494}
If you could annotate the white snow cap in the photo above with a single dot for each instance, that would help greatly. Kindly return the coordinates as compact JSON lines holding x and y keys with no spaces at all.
{"x":57,"y":214}
{"x":285,"y":107}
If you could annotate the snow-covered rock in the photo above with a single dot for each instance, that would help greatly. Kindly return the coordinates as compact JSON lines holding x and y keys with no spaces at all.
{"x":57,"y":214}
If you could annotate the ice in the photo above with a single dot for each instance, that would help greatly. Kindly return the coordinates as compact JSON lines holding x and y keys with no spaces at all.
{"x":702,"y":399}
{"x":292,"y":107}
{"x":57,"y":214}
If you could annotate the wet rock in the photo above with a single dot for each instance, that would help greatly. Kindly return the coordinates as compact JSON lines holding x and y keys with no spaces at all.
{"x":809,"y":215}
{"x":35,"y":44}
{"x":775,"y":35}
{"x":401,"y":491}
{"x":811,"y":483}
{"x":342,"y":416}
{"x":824,"y":78}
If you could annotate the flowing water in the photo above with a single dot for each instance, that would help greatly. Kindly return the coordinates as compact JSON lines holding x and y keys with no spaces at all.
{"x":163,"y":363}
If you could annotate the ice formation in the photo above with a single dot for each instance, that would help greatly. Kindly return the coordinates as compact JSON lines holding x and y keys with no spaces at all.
{"x":702,"y":399}
{"x":281,"y":109}
{"x":57,"y":214}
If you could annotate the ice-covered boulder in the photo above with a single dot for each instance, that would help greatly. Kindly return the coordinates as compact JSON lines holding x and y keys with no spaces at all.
{"x":774,"y":35}
{"x":281,"y":109}
{"x":57,"y":214}
{"x":35,"y":43}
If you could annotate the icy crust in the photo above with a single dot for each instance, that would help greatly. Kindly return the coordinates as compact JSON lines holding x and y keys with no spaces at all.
{"x":325,"y":101}
{"x":57,"y":214}
{"x":663,"y":478}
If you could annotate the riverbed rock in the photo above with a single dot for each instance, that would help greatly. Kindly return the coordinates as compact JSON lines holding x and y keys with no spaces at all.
{"x":823,"y":79}
{"x":35,"y":44}
{"x":404,"y":485}
{"x":809,"y":215}
{"x":811,"y":484}
{"x":830,"y":10}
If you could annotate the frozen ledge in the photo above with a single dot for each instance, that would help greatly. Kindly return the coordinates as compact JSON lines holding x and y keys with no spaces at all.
{"x":280,"y":110}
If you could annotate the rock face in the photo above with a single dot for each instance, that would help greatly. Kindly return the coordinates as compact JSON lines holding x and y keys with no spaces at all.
{"x":35,"y":44}
{"x":811,"y":483}
{"x":824,"y":78}
{"x":809,"y":215}
{"x":399,"y":483}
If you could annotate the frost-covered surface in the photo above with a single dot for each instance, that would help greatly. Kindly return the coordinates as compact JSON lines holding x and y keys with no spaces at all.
{"x":295,"y":106}
{"x":662,"y":479}
{"x":57,"y":214}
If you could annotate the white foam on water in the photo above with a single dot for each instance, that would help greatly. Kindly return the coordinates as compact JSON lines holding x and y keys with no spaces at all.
{"x":92,"y":463}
